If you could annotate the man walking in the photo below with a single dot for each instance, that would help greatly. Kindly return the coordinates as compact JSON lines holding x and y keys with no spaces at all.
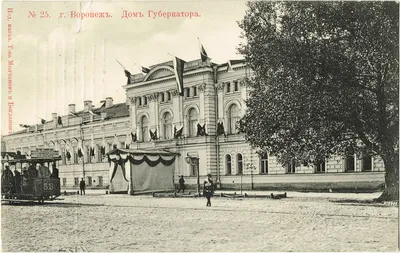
{"x":82,"y":185}
{"x":181,"y":184}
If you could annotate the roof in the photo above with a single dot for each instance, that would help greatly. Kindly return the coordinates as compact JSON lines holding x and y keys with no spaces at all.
{"x":189,"y":66}
{"x":113,"y":112}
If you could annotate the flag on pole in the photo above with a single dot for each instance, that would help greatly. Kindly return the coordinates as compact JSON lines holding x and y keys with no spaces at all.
{"x":94,"y":113}
{"x":179,"y":65}
{"x":145,"y":70}
{"x":75,"y":114}
{"x":59,"y":121}
{"x":229,"y":68}
{"x":203,"y":54}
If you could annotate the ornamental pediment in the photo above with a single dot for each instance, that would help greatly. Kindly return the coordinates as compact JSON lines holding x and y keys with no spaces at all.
{"x":159,"y":72}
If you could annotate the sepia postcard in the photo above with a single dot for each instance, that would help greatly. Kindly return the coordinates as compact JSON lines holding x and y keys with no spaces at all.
{"x":199,"y":126}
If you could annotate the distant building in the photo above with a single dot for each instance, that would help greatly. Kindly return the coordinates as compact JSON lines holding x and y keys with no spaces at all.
{"x":214,"y":94}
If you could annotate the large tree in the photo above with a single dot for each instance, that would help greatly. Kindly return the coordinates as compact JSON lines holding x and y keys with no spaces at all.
{"x":325,"y":81}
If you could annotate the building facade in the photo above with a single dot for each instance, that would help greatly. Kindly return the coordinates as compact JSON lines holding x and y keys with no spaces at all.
{"x":156,"y":116}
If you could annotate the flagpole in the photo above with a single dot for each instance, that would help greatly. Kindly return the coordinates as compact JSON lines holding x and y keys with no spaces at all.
{"x":202,"y":63}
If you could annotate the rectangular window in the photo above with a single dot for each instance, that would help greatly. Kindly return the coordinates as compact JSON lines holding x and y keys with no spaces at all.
{"x":194,"y":91}
{"x":76,"y":181}
{"x":236,"y":85}
{"x":100,"y":178}
{"x":228,"y":87}
{"x":89,"y":181}
{"x":64,"y":181}
{"x":264,"y":164}
{"x":291,"y":168}
{"x":320,"y":167}
{"x":187,"y":90}
{"x":350,"y":166}
{"x":367,"y":163}
{"x":193,"y":169}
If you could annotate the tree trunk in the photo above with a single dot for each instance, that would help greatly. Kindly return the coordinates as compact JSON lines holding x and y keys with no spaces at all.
{"x":391,"y":191}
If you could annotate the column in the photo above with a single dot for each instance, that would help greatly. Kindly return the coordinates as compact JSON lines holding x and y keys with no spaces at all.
{"x":201,"y":89}
{"x":153,"y":112}
{"x":131,"y":102}
{"x":177,"y":109}
{"x":220,"y":91}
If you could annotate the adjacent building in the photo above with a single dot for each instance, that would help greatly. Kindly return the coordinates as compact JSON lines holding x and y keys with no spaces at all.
{"x":155,"y":116}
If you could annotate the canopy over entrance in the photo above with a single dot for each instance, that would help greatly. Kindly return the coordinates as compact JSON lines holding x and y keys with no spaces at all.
{"x":135,"y":170}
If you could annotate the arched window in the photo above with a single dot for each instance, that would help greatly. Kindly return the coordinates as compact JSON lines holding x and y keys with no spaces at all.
{"x":192,"y":122}
{"x":264,"y":164}
{"x":139,"y":101}
{"x":167,"y":125}
{"x":233,"y":115}
{"x":145,"y":100}
{"x":239,"y":164}
{"x":144,"y":126}
{"x":228,"y":163}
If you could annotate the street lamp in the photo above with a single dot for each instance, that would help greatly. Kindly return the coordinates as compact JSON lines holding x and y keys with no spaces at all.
{"x":194,"y":161}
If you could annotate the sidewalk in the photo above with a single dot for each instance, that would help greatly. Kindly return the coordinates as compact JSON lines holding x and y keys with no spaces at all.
{"x":290,"y":194}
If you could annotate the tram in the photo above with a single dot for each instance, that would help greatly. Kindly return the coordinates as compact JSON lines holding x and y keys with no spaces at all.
{"x":31,"y":179}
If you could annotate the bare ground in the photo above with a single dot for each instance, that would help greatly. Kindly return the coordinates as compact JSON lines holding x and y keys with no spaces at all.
{"x":302,"y":222}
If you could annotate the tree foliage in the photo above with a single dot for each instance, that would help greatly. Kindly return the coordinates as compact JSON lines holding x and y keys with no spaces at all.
{"x":325,"y":80}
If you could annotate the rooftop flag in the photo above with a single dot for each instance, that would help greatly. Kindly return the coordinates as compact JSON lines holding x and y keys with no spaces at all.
{"x":75,"y":114}
{"x":179,"y":65}
{"x":203,"y":53}
{"x":145,"y":70}
{"x":229,"y":68}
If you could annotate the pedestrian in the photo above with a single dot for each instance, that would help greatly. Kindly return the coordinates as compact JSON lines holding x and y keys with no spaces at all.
{"x":82,"y":185}
{"x":17,"y":176}
{"x":208,"y":189}
{"x":181,"y":184}
{"x":54,"y":173}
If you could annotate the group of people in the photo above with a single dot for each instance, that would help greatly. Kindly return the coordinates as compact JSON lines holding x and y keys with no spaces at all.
{"x":208,"y":188}
{"x":14,"y":182}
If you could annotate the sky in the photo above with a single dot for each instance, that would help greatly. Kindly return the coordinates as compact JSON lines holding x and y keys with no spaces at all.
{"x":57,"y":61}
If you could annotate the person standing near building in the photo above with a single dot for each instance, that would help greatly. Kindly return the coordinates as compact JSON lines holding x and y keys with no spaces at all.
{"x":17,"y":176}
{"x":208,"y":189}
{"x":181,"y":184}
{"x":82,"y":186}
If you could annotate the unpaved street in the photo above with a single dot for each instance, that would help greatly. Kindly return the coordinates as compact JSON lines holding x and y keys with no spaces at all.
{"x":98,"y":222}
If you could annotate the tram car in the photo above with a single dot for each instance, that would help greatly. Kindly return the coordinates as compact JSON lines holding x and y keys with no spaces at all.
{"x":27,"y":178}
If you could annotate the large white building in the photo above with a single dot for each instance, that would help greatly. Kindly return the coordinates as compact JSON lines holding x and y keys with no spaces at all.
{"x":213,"y":94}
